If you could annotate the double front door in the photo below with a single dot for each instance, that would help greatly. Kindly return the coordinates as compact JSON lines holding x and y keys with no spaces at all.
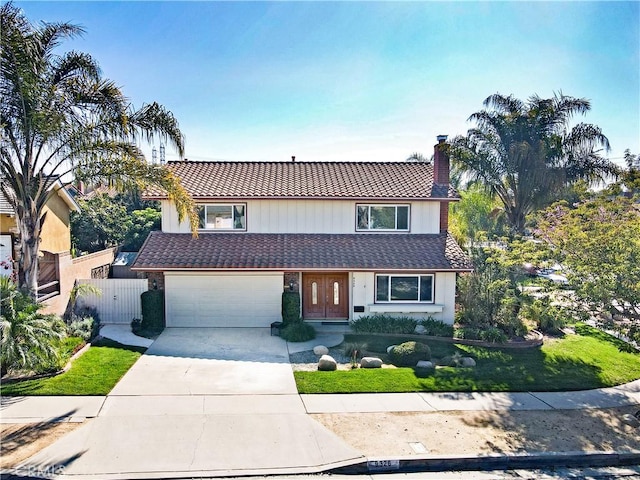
{"x":325,"y":295}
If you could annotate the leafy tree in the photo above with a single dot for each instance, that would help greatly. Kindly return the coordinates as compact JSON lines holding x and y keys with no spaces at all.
{"x":60,"y":118}
{"x":599,"y":243}
{"x":490,"y":297}
{"x":101,"y":223}
{"x":631,"y":176}
{"x":524,"y":153}
{"x":142,"y":223}
{"x":476,"y":217}
{"x":28,"y":338}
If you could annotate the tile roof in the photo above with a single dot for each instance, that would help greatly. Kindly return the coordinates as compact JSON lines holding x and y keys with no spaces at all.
{"x":289,"y":251}
{"x":350,"y":180}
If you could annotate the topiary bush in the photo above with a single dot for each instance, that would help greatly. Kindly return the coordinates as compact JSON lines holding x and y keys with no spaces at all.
{"x":290,"y":307}
{"x":298,"y":331}
{"x":153,"y":310}
{"x":409,"y":353}
{"x":380,"y":323}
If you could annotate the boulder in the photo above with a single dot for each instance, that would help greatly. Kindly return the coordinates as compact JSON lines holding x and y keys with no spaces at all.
{"x":320,"y":350}
{"x":327,"y":363}
{"x":424,"y":364}
{"x":420,"y":329}
{"x":631,"y":420}
{"x":370,"y":362}
{"x":390,"y":347}
{"x":467,"y":362}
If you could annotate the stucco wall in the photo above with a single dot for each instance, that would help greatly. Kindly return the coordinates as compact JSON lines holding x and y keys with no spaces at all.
{"x":56,"y":233}
{"x":72,"y":269}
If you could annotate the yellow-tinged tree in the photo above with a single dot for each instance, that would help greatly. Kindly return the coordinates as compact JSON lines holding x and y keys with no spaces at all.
{"x":61,"y":120}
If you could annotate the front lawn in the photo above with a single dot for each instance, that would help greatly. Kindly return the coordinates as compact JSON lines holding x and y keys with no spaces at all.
{"x":95,"y":373}
{"x":589,"y":359}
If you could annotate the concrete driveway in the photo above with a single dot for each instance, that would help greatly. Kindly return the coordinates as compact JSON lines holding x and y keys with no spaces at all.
{"x":211,"y":361}
{"x":205,"y":402}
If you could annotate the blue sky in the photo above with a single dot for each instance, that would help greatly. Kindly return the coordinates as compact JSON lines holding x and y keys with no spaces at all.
{"x":357,"y":80}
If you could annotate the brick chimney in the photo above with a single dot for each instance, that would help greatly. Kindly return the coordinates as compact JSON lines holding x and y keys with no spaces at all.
{"x":441,"y":177}
{"x":441,"y":162}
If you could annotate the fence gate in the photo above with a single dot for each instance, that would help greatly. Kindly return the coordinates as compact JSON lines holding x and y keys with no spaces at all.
{"x":120,"y":300}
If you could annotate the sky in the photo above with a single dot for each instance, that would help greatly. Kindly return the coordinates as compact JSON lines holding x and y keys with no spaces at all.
{"x":356,"y":81}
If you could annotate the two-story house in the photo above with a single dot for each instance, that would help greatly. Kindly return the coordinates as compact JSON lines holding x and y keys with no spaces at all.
{"x":354,"y":238}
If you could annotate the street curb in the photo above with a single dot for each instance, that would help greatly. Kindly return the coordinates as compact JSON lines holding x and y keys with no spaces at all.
{"x":491,"y":462}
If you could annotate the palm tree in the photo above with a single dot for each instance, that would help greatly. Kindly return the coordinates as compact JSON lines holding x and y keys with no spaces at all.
{"x":525,"y":153}
{"x":28,"y":338}
{"x":61,"y":120}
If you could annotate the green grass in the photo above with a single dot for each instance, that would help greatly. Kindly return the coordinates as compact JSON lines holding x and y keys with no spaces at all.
{"x":95,"y":373}
{"x":590,"y":359}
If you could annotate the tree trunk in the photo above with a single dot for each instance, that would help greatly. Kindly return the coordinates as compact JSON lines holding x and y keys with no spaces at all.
{"x":29,"y":225}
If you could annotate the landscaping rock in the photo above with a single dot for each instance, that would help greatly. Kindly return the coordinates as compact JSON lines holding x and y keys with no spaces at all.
{"x":327,"y":363}
{"x":390,"y":347}
{"x":467,"y":362}
{"x":420,"y":329}
{"x":424,"y":364}
{"x":320,"y":350}
{"x":370,"y":362}
{"x":631,"y":420}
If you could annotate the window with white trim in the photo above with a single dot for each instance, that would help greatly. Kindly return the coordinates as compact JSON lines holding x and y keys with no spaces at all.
{"x":222,"y":217}
{"x":404,"y":288}
{"x":382,"y":217}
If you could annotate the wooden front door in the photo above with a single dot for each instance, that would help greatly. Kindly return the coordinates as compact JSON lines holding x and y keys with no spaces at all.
{"x":325,"y":295}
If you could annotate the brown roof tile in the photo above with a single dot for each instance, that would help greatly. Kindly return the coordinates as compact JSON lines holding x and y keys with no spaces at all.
{"x":351,"y":180}
{"x":288,"y":251}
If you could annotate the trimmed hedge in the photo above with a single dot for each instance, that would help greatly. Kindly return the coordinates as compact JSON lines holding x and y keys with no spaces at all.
{"x":290,"y":307}
{"x":153,"y":310}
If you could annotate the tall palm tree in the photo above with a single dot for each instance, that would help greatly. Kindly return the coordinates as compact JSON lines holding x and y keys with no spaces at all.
{"x":525,"y":153}
{"x":61,"y":120}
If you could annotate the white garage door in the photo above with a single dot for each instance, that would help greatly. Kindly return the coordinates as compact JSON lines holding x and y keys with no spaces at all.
{"x":223,"y":300}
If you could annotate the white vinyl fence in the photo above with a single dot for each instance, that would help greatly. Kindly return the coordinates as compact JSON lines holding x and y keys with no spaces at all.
{"x":120,"y":300}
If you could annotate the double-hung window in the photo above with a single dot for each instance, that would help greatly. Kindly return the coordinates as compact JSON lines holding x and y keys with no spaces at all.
{"x":404,"y":288}
{"x":223,"y":217}
{"x":382,"y":217}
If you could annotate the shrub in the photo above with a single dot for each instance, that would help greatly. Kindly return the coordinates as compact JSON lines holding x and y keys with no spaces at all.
{"x":290,"y":307}
{"x":29,"y":339}
{"x":298,"y":331}
{"x":548,"y":318}
{"x":467,"y":333}
{"x":354,"y":349}
{"x":493,"y":335}
{"x":86,"y":328}
{"x":409,"y":353}
{"x":153,"y":310}
{"x":136,"y":325}
{"x":436,"y":328}
{"x":384,"y":324}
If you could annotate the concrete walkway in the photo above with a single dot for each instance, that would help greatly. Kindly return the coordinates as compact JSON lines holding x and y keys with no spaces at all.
{"x":187,"y":422}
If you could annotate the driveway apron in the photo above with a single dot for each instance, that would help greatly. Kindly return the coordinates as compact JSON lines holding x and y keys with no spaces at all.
{"x":211,"y":361}
{"x":200,"y":402}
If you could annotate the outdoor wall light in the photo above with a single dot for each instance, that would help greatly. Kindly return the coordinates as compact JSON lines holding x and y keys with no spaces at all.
{"x":291,"y":285}
{"x":154,"y":284}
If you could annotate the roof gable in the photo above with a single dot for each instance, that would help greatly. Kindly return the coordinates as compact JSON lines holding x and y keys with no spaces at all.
{"x":345,"y":180}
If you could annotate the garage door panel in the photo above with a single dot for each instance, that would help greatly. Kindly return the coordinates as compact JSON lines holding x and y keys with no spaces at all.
{"x":223,"y":300}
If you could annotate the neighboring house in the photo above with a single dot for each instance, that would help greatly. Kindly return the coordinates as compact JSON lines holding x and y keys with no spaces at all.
{"x":58,"y":271}
{"x":353,"y":238}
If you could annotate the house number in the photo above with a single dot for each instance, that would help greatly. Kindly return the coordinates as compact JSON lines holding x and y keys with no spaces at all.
{"x":383,"y":465}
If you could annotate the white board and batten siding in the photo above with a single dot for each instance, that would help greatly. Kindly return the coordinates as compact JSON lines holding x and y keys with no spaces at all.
{"x":309,"y":216}
{"x":223,"y":299}
{"x":120,"y":300}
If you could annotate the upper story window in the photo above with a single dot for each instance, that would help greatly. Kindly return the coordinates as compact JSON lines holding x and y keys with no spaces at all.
{"x":382,"y":217}
{"x":223,"y":217}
